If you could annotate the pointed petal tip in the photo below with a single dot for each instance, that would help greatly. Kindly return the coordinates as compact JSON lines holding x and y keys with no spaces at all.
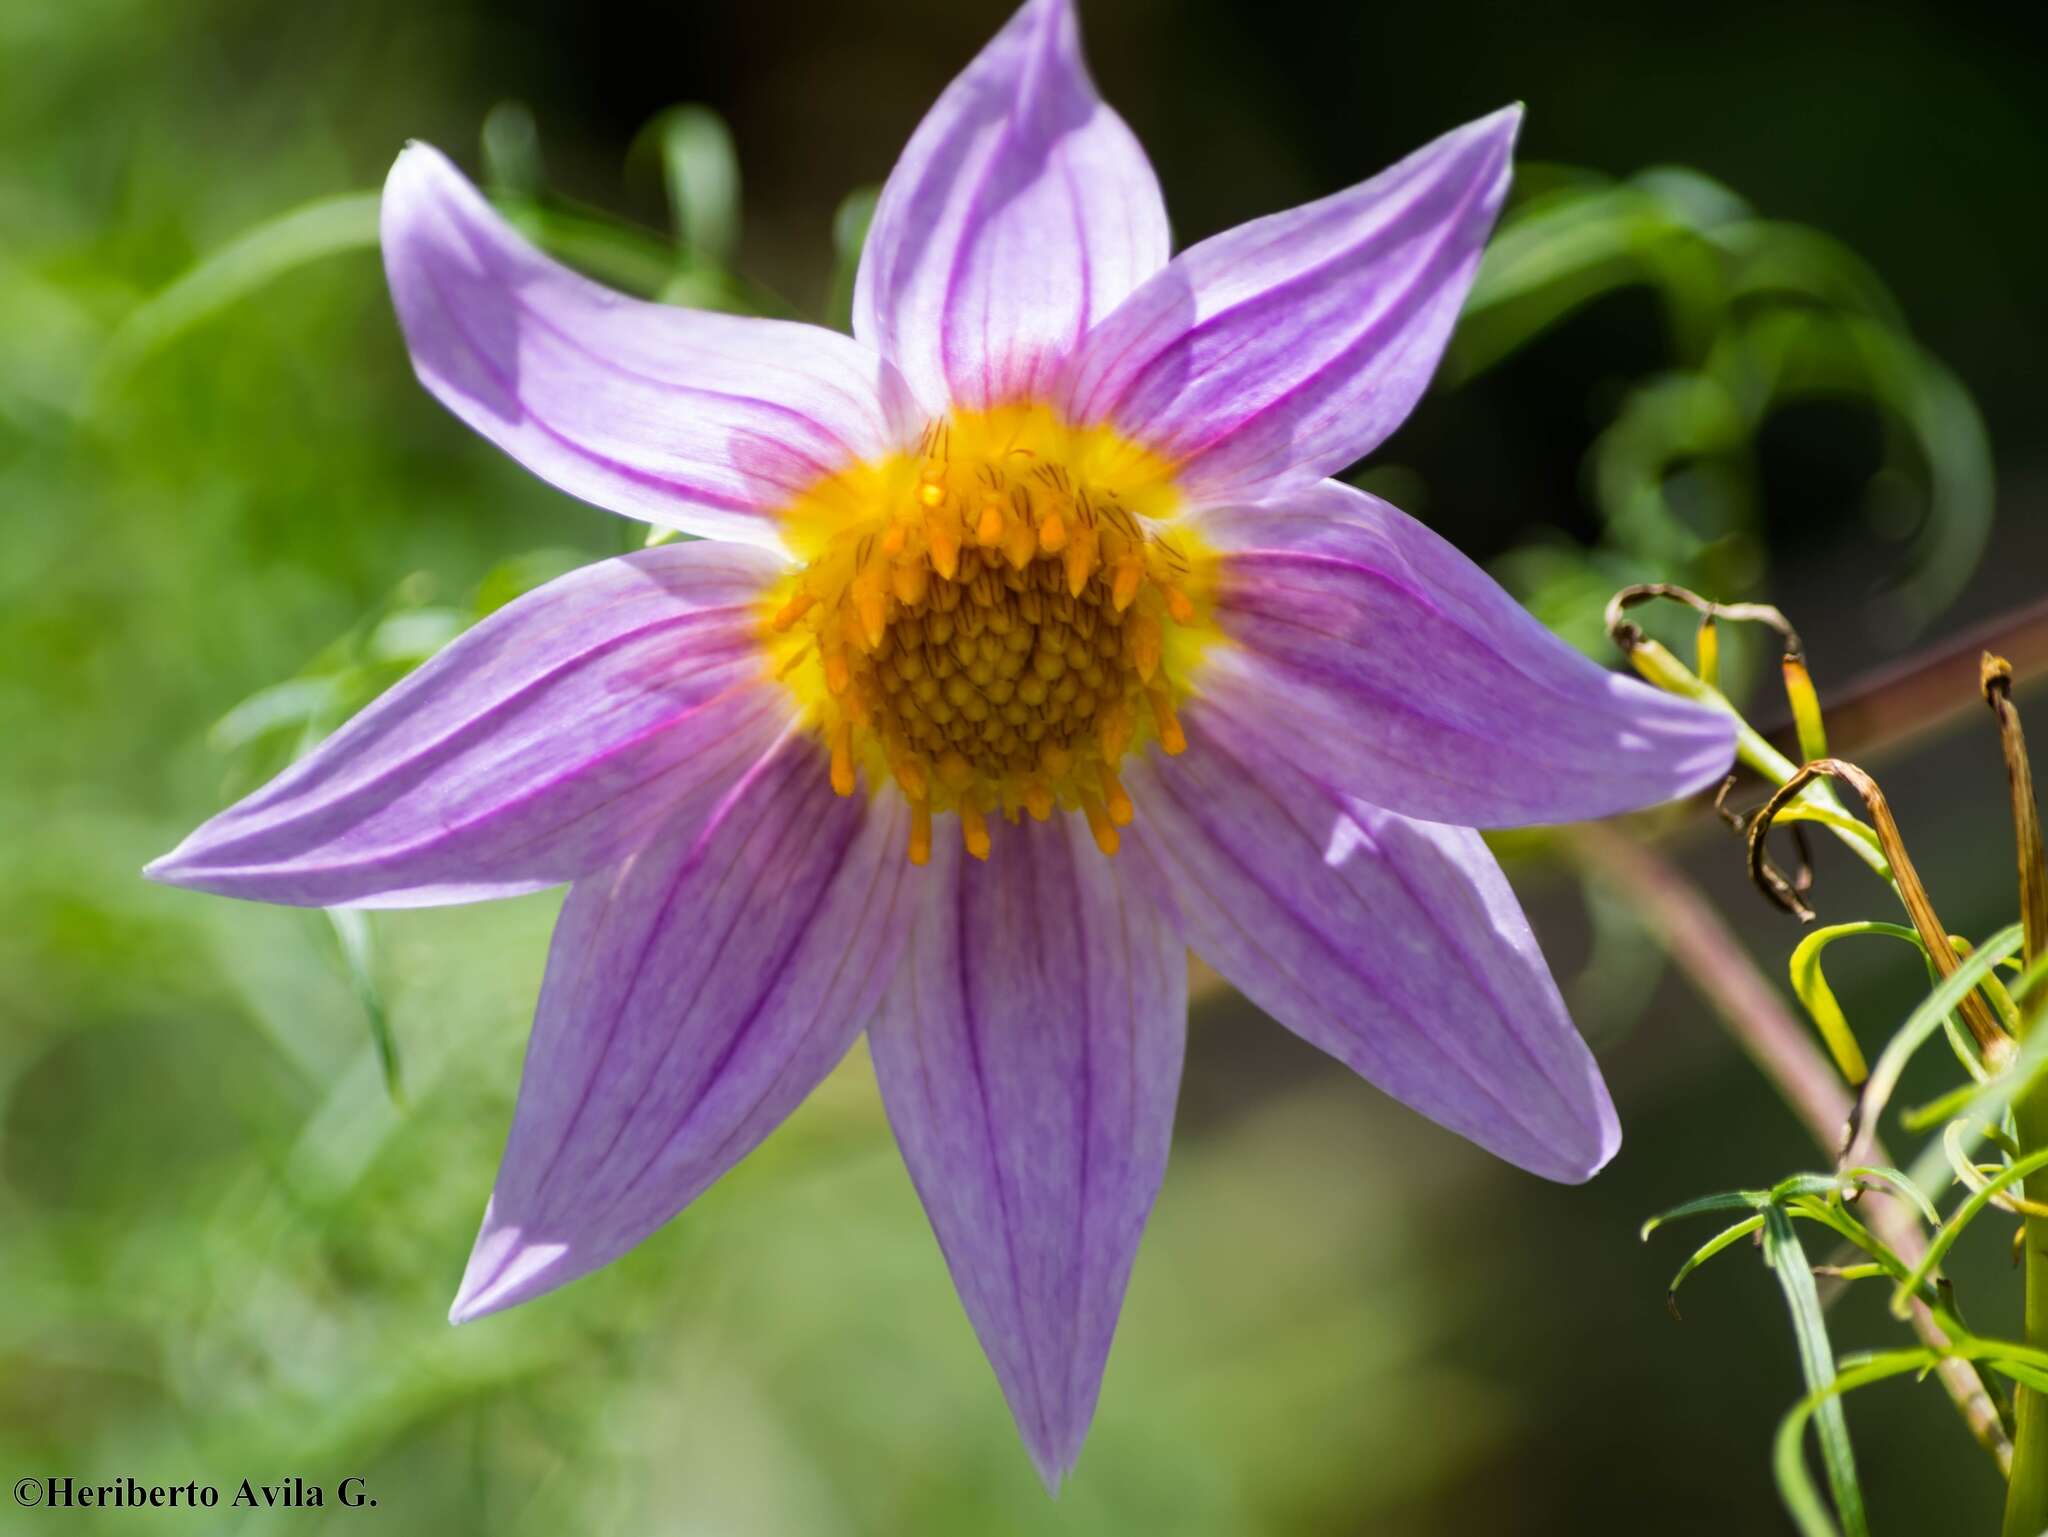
{"x":180,"y":868}
{"x":1717,"y":757}
{"x":416,"y":164}
{"x":1582,"y":1170}
{"x":1506,"y":124}
{"x":1035,"y":1116}
{"x":1699,"y":741}
{"x":1053,"y":1446}
{"x":1292,"y":345}
{"x":505,"y":1269}
{"x":417,"y":156}
{"x":575,"y":380}
{"x":981,"y":295}
{"x":1610,"y":742}
{"x":1052,"y":1470}
{"x":1498,"y":131}
{"x":1575,"y":1158}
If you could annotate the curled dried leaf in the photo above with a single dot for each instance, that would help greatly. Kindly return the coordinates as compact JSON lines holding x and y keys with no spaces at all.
{"x":1977,"y":1014}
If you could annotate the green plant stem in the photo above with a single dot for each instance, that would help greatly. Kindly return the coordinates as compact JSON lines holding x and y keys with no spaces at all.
{"x":2026,"y":1499}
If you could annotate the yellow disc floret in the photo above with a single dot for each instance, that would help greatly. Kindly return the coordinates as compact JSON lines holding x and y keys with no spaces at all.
{"x":993,"y":621}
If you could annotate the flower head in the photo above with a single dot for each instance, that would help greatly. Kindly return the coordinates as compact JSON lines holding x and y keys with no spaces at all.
{"x":1023,"y":645}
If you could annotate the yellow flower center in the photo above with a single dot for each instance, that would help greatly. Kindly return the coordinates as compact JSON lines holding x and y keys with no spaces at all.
{"x":994,"y":620}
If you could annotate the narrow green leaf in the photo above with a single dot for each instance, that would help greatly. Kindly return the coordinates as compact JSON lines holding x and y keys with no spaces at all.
{"x":1935,"y":1111}
{"x":2025,"y":1375}
{"x":1807,"y":1184}
{"x":1810,"y":985}
{"x":1945,"y":1239}
{"x":325,"y":227}
{"x":519,"y":575}
{"x":2024,"y":985}
{"x":1840,"y":1222}
{"x":1705,"y":1252}
{"x":616,"y":253}
{"x":289,"y":704}
{"x":1980,"y":1348}
{"x":1788,"y":1460}
{"x":358,"y":957}
{"x":1922,"y":1023}
{"x":1732,"y":1200}
{"x":1900,"y":1182}
{"x":1782,"y":1252}
{"x":1751,"y":1200}
{"x":1987,"y":1105}
{"x":1868,"y":1270}
{"x":411,"y":635}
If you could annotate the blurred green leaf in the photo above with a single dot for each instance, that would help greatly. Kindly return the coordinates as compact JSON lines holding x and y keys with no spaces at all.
{"x":701,"y":170}
{"x":520,"y":574}
{"x":359,"y":955}
{"x":616,"y":253}
{"x":287,"y":720}
{"x":849,"y":238}
{"x":511,"y":149}
{"x":409,"y":637}
{"x":1566,"y":247}
{"x":1760,"y":313}
{"x":326,"y":227}
{"x":286,"y":706}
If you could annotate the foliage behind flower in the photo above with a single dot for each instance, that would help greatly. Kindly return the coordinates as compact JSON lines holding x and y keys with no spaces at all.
{"x":220,"y":1231}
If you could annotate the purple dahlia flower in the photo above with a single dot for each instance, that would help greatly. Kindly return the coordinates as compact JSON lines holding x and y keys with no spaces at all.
{"x":1037,"y":568}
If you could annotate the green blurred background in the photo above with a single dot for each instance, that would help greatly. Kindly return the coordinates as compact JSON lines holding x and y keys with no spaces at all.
{"x":226,"y":1252}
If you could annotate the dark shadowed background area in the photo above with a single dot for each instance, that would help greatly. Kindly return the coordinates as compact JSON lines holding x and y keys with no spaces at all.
{"x":225,"y":1251}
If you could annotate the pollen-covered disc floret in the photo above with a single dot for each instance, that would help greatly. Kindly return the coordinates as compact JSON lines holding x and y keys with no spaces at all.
{"x":994,"y":621}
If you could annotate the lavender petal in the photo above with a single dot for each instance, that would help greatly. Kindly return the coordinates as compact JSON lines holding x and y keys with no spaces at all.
{"x":1029,"y":1056}
{"x":1405,"y":676}
{"x":1282,"y":350}
{"x":1394,"y":945}
{"x":700,"y":422}
{"x":1021,"y":212}
{"x":541,"y":745}
{"x":694,"y":996}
